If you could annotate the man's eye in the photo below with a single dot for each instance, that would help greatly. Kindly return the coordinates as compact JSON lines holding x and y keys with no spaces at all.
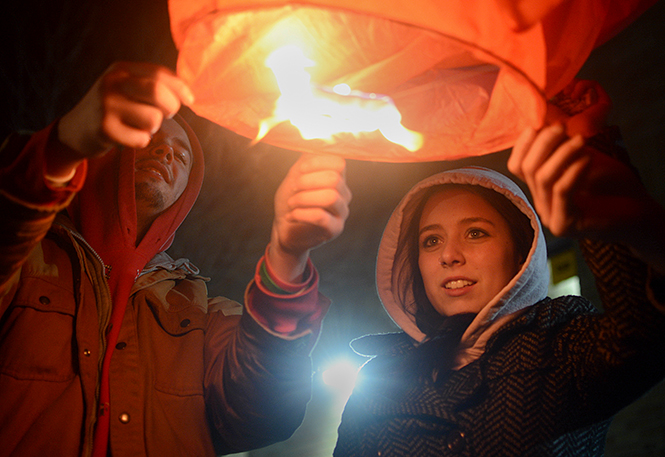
{"x":181,"y":157}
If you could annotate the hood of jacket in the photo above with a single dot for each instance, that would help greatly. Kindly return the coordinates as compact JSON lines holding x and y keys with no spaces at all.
{"x":526,"y":288}
{"x":104,"y":211}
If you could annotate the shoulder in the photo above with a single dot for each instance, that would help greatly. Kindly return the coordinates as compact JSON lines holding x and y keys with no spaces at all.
{"x":540,"y":325}
{"x":549,"y":312}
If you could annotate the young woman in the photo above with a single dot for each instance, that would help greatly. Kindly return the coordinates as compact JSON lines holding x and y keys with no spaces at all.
{"x":486,"y":364}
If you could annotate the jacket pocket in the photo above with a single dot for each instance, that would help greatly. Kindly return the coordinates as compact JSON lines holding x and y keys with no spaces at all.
{"x":178,"y":360}
{"x":37,"y":333}
{"x":177,"y":342}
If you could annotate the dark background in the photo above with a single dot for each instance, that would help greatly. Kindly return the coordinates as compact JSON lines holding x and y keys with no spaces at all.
{"x":53,"y":51}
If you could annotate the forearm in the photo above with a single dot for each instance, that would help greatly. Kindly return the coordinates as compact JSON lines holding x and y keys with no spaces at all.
{"x":610,"y":359}
{"x":260,"y":378}
{"x":24,"y":178}
{"x":61,"y":166}
{"x":28,"y":201}
{"x":287,"y":310}
{"x":631,"y":332}
{"x":648,"y":242}
{"x":644,"y":231}
{"x":259,"y":387}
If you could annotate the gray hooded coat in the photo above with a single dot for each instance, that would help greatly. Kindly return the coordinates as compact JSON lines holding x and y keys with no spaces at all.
{"x":528,"y":376}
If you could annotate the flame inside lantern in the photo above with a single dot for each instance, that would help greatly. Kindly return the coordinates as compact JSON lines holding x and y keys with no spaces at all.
{"x":320,"y":112}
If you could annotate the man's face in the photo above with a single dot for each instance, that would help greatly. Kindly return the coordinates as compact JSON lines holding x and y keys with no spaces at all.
{"x":162,"y":169}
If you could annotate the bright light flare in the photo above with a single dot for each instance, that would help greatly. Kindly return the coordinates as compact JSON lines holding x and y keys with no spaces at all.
{"x":319,"y":112}
{"x":341,"y":376}
{"x":342,"y":89}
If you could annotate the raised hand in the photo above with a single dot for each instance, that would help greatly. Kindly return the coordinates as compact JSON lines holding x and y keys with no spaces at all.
{"x":124,"y":107}
{"x":579,"y":191}
{"x":311,"y":207}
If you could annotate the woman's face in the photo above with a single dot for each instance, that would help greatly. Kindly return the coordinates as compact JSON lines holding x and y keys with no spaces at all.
{"x":466,"y":251}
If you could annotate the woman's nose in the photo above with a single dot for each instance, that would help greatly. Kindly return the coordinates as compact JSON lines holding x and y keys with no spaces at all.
{"x":451,"y":255}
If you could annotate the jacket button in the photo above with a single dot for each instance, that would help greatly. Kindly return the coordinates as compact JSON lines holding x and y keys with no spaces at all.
{"x":86,"y":352}
{"x":124,"y":418}
{"x":185,"y":322}
{"x":44,"y":300}
{"x":456,"y":441}
{"x":121,"y":345}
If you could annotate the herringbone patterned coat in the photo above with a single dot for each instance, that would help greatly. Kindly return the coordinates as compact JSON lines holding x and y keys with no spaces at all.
{"x":533,"y":376}
{"x":547,"y":385}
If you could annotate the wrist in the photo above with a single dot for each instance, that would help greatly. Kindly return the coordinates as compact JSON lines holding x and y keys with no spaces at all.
{"x":61,"y":160}
{"x":265,"y":273}
{"x":285,"y":265}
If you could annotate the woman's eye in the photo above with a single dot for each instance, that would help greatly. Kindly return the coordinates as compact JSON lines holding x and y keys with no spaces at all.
{"x":476,"y":233}
{"x":430,"y":241}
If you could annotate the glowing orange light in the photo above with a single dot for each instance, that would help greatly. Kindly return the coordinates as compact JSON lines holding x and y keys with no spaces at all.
{"x":323,"y":112}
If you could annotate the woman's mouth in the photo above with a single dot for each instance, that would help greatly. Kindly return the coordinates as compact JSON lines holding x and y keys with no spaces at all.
{"x":457,"y":284}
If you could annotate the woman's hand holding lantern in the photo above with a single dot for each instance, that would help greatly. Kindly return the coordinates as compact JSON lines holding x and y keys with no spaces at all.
{"x":581,"y":192}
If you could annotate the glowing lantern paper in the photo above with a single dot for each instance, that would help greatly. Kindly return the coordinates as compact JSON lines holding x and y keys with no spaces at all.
{"x":320,"y":113}
{"x":387,"y":80}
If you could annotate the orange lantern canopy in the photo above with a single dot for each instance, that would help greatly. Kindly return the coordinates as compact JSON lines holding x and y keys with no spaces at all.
{"x":433,"y":79}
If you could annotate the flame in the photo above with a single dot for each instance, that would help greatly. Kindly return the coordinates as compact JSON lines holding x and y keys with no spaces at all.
{"x":322,"y":112}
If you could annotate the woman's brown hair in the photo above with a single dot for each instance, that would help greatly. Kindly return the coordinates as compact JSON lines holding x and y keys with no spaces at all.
{"x":409,"y":282}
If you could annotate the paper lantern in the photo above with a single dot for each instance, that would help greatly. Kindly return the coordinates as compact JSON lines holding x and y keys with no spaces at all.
{"x":398,"y":81}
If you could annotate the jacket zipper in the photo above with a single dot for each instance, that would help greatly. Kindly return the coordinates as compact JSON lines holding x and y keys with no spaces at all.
{"x":104,"y":320}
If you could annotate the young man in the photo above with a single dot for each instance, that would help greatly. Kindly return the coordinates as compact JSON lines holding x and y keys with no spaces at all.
{"x":107,"y":345}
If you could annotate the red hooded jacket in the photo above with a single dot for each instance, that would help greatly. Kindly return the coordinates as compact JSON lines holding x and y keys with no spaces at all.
{"x":183,"y":375}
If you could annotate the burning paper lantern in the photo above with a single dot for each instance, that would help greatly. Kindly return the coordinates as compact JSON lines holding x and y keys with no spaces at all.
{"x":398,"y":81}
